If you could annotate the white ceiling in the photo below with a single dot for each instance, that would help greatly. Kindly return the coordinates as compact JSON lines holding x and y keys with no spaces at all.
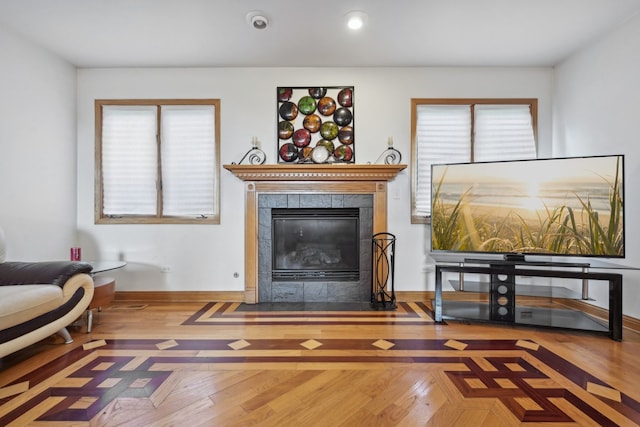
{"x":199,"y":33}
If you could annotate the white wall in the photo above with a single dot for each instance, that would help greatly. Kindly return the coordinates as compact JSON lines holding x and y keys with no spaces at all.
{"x":37,"y":151}
{"x":205,"y":257}
{"x":45,"y":189}
{"x":597,"y":111}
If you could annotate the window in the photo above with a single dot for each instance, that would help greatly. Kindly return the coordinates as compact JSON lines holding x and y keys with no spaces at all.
{"x":466,"y":130}
{"x":157,"y":161}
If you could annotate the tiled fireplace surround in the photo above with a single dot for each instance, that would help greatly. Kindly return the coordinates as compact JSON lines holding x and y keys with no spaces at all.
{"x":313,"y":291}
{"x":314,"y":186}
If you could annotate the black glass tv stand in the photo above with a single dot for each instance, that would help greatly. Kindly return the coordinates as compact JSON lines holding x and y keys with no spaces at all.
{"x":505,"y":299}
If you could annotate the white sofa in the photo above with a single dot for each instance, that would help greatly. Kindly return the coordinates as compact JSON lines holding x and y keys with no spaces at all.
{"x":39,"y":299}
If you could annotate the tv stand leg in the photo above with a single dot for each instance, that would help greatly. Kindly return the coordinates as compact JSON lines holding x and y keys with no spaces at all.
{"x":585,"y":285}
{"x":615,"y":308}
{"x":461,"y":281}
{"x":437,"y":309}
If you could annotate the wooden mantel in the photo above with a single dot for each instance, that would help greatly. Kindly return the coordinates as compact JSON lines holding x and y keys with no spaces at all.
{"x":295,"y":179}
{"x":315,"y":172}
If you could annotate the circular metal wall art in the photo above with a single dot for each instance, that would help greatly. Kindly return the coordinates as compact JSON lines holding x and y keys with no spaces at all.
{"x":312,"y":117}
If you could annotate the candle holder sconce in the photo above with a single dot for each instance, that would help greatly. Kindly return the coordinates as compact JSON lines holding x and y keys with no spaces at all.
{"x":255,"y":155}
{"x":390,"y":156}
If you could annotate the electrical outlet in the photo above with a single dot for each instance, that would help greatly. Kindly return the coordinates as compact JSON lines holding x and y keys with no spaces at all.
{"x":165,"y":269}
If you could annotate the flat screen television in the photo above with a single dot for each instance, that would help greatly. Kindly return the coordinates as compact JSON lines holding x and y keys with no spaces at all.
{"x":571,"y":206}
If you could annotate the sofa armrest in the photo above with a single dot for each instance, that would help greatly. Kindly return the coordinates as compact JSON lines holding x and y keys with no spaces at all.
{"x":53,"y":272}
{"x":77,"y":293}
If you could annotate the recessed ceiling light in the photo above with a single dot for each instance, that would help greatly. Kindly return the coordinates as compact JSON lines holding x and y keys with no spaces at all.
{"x":257,"y":20}
{"x":356,"y":19}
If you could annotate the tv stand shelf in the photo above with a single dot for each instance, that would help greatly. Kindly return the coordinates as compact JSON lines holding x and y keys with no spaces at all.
{"x":503,"y":292}
{"x":523,"y":290}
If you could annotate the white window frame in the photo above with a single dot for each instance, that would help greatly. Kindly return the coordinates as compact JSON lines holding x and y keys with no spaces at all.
{"x":158,"y":217}
{"x":471,"y":103}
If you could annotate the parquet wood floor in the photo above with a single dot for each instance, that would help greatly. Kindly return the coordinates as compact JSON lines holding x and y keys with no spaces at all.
{"x":177,"y":364}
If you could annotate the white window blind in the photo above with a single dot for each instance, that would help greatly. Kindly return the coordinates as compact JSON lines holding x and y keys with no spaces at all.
{"x":129,"y":160}
{"x":443,"y":135}
{"x":158,"y":161}
{"x":503,"y":132}
{"x":188,"y":154}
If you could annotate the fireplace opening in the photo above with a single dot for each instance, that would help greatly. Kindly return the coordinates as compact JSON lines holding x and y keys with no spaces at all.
{"x":316,"y":244}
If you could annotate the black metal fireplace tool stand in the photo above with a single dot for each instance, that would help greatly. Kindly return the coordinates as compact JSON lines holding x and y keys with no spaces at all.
{"x":383,"y":296}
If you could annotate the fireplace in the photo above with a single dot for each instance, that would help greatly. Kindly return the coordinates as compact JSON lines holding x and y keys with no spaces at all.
{"x":269,"y":187}
{"x":314,"y":247}
{"x":315,"y":244}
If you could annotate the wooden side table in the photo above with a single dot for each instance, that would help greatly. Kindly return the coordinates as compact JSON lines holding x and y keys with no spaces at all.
{"x":103,"y":293}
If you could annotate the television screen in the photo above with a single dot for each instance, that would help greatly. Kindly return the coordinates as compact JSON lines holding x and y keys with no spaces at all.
{"x":562,"y":206}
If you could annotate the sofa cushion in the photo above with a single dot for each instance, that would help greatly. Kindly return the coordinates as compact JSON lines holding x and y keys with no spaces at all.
{"x":19,"y":304}
{"x":51,"y":272}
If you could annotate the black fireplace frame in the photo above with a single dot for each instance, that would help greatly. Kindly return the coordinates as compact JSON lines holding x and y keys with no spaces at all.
{"x":324,"y":271}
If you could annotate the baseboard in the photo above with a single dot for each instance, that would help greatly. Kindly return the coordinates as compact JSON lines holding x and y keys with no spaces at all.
{"x":179,"y":296}
{"x":430,"y":295}
{"x":223,"y":296}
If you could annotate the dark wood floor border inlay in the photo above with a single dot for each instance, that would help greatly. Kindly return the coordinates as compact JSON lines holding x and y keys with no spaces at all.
{"x":406,"y":314}
{"x":89,"y":378}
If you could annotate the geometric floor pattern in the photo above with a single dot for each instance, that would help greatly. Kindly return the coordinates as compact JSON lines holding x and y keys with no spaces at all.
{"x":534,"y":384}
{"x":407,"y":313}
